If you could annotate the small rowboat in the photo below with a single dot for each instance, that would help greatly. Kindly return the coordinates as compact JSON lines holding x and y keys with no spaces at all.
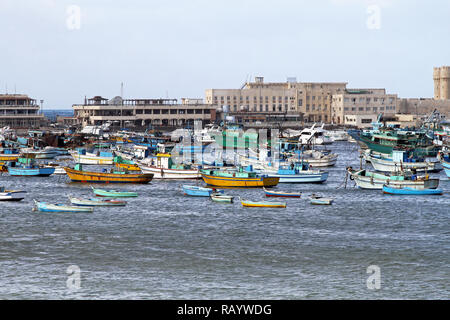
{"x":11,"y":195}
{"x":199,"y":191}
{"x":410,"y":191}
{"x":48,"y":207}
{"x":113,"y":193}
{"x":316,"y":199}
{"x":96,"y":202}
{"x":270,"y":193}
{"x":221,"y":198}
{"x":263,"y":204}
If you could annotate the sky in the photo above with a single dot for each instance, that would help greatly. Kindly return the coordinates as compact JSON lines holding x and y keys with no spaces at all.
{"x":63,"y":50}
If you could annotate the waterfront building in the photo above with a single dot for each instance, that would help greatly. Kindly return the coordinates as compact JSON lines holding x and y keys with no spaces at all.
{"x":19,"y":111}
{"x":362,"y":106}
{"x":311,"y":100}
{"x":143,"y":112}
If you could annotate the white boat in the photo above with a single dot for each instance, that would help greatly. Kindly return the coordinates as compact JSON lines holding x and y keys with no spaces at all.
{"x":317,"y":158}
{"x":375,"y":180}
{"x":11,"y":195}
{"x":397,"y":162}
{"x":338,"y":135}
{"x":40,"y":154}
{"x":90,"y":158}
{"x":162,"y":167}
{"x":316,"y":199}
{"x":314,"y":136}
{"x":96,"y":202}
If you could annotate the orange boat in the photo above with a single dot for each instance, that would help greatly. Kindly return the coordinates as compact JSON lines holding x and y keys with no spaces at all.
{"x":78,"y":175}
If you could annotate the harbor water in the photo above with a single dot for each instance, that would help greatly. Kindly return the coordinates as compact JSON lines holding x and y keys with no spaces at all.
{"x":165,"y":245}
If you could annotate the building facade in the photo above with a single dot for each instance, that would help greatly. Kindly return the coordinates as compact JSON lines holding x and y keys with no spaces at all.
{"x":441,"y":78}
{"x":310,"y":99}
{"x":363,"y":103}
{"x":142,"y":112}
{"x":19,"y":111}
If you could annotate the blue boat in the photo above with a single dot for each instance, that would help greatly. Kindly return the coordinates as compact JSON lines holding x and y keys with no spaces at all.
{"x":199,"y":191}
{"x":28,"y":167}
{"x":410,"y":191}
{"x":48,"y":207}
{"x":298,"y":173}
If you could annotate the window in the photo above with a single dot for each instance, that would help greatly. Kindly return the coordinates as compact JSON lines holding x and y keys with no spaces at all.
{"x":366,"y":120}
{"x":300,"y":102}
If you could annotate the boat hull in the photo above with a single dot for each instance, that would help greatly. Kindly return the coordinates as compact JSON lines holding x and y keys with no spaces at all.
{"x":222,"y":199}
{"x":114,"y":193}
{"x":39,"y":172}
{"x":90,"y":159}
{"x":197,"y":191}
{"x":46,"y":207}
{"x":301,"y":177}
{"x":12,"y":195}
{"x":386,"y":165}
{"x":95,"y":203}
{"x":240,"y":182}
{"x":446,"y":166}
{"x":98,"y":177}
{"x":161,"y":173}
{"x":263,"y":204}
{"x":409,"y":191}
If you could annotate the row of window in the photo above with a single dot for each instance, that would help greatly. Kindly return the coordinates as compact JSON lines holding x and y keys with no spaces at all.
{"x":247,"y":98}
{"x":375,"y":109}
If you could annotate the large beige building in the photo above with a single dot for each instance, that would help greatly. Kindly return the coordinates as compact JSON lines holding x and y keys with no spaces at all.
{"x":19,"y":111}
{"x":143,"y":112}
{"x":362,"y":105}
{"x":311,"y":99}
{"x":441,"y":77}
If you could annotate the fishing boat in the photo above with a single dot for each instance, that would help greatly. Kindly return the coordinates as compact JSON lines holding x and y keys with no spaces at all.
{"x":221,"y":198}
{"x":78,"y":175}
{"x":199,"y":191}
{"x":100,"y":158}
{"x":445,"y":160}
{"x":9,"y":154}
{"x":314,"y":136}
{"x":46,"y":153}
{"x":319,"y":200}
{"x":263,"y":204}
{"x":237,"y":178}
{"x":96,"y":202}
{"x":297,"y":173}
{"x":366,"y":179}
{"x":48,"y":207}
{"x":11,"y":195}
{"x":29,"y":167}
{"x":113,"y":193}
{"x":163,"y":167}
{"x":411,"y":191}
{"x":270,"y":193}
{"x":399,"y":161}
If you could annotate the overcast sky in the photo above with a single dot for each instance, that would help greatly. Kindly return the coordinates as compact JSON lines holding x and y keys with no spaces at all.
{"x":180,"y":48}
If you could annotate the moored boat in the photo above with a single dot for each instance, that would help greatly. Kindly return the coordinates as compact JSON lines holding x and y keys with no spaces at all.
{"x":96,"y":202}
{"x":199,"y":191}
{"x":410,"y":191}
{"x":29,"y":167}
{"x":100,"y":158}
{"x":237,"y":178}
{"x":11,"y":195}
{"x":270,"y":193}
{"x":399,"y":161}
{"x":263,"y":204}
{"x":366,"y":179}
{"x":297,"y":173}
{"x":221,"y":198}
{"x":162,"y":167}
{"x":319,"y":200}
{"x":78,"y":175}
{"x":48,"y":207}
{"x":113,"y":193}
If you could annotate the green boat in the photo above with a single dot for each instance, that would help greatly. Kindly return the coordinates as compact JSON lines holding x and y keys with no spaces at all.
{"x":385,"y":141}
{"x":113,"y":193}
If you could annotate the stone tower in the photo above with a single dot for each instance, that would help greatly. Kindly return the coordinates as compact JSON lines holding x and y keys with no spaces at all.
{"x":441,"y":77}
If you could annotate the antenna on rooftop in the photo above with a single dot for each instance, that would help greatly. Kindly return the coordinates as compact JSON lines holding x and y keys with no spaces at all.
{"x":121,"y":89}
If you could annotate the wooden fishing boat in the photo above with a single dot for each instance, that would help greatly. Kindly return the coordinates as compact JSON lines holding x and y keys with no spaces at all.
{"x":29,"y":167}
{"x":113,"y":193}
{"x":318,"y":200}
{"x":366,"y":179}
{"x":410,"y":191}
{"x":163,"y":167}
{"x":221,"y":198}
{"x":237,"y":178}
{"x":48,"y":207}
{"x":96,"y":202}
{"x":446,"y":165}
{"x":199,"y":191}
{"x":263,"y":204}
{"x":297,"y":173}
{"x":126,"y":164}
{"x":270,"y":193}
{"x":11,"y":195}
{"x":78,"y":175}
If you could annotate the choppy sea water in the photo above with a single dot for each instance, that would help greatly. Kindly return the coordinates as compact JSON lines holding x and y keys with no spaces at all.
{"x":164,"y":245}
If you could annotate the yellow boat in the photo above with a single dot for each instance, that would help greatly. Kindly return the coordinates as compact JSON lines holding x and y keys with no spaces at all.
{"x":239,"y":179}
{"x":9,"y":157}
{"x":263,"y":204}
{"x":113,"y":177}
{"x":126,"y":166}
